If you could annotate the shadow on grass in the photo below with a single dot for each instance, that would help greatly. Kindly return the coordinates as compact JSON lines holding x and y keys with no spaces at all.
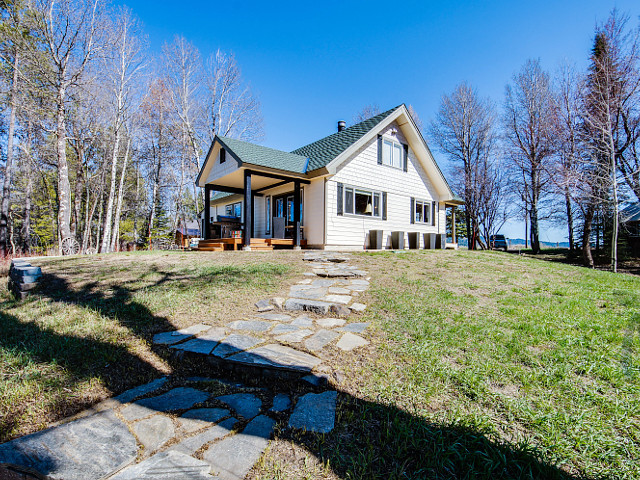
{"x":371,"y":440}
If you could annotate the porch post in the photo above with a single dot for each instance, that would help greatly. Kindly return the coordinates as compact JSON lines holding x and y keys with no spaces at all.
{"x":207,"y":212}
{"x":453,"y":224}
{"x":296,"y":214}
{"x":248,"y":210}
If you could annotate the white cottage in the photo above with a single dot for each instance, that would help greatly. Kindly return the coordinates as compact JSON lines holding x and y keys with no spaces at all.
{"x":372,"y":185}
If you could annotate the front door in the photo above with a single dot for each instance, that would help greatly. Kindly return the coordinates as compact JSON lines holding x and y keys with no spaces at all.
{"x":283,"y":208}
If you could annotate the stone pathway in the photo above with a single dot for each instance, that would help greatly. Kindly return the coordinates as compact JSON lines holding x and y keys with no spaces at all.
{"x":170,"y":429}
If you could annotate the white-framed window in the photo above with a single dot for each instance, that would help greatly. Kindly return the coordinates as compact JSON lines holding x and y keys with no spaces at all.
{"x":233,"y":210}
{"x":392,"y":153}
{"x":361,"y":201}
{"x":422,"y":212}
{"x":267,"y":208}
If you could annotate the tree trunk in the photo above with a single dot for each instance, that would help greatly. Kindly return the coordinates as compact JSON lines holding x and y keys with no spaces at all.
{"x":586,"y":236}
{"x":116,"y":220}
{"x":64,"y":188}
{"x":77,"y":194}
{"x":567,"y":201}
{"x":26,"y":221}
{"x":6,"y":187}
{"x":535,"y":229}
{"x":108,"y":216}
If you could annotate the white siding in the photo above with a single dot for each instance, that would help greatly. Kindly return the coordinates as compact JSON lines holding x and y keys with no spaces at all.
{"x":363,"y":171}
{"x":314,"y":212}
{"x":220,"y":170}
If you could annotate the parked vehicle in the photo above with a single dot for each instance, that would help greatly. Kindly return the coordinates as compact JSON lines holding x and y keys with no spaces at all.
{"x":498,"y":242}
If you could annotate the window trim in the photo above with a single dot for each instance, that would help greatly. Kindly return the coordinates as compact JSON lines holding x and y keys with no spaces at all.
{"x":365,"y":190}
{"x":403,"y":152}
{"x":233,"y":205}
{"x":429,"y":209}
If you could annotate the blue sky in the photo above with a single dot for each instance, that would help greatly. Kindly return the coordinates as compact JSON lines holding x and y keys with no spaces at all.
{"x":314,"y":63}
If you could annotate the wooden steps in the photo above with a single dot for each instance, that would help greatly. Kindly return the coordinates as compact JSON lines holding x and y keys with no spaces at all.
{"x":257,"y":244}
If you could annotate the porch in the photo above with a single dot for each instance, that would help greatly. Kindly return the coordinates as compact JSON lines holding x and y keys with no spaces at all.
{"x":256,"y":244}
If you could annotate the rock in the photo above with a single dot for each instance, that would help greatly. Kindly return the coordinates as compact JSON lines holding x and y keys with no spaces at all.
{"x":342,"y":299}
{"x":264,"y":305}
{"x":294,"y":337}
{"x":234,"y":343}
{"x":244,"y":404}
{"x":323,"y":282}
{"x":316,"y":380}
{"x":278,"y":302}
{"x":179,"y":398}
{"x":192,"y":444}
{"x":357,"y":327}
{"x":320,"y":339}
{"x":170,"y":465}
{"x":281,"y":403}
{"x":196,"y":345}
{"x":341,"y":310}
{"x":339,"y":376}
{"x":250,"y":325}
{"x":308,"y":293}
{"x":214,"y":334}
{"x":309,"y":274}
{"x":302,"y":321}
{"x":349,"y":341}
{"x":315,"y":412}
{"x":233,"y":457}
{"x":132,"y":394}
{"x":198,"y":418}
{"x":154,"y":431}
{"x":91,"y":447}
{"x":306,"y":281}
{"x":358,"y":288}
{"x":278,"y":317}
{"x":284,"y":328}
{"x":277,"y":356}
{"x":134,"y":412}
{"x":330,"y":322}
{"x":169,"y":338}
{"x":315,"y":306}
{"x":193,"y":329}
{"x":358,"y":307}
{"x":339,"y":291}
{"x":359,"y":281}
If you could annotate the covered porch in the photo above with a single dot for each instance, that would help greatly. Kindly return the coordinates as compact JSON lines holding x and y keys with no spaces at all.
{"x":281,"y":215}
{"x":450,"y":218}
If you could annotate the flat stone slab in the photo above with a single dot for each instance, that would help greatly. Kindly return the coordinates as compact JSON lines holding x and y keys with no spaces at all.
{"x":199,"y":418}
{"x":179,"y":398}
{"x":320,"y":339}
{"x":91,"y":447}
{"x":357,"y":327}
{"x":193,"y":329}
{"x":235,"y":343}
{"x":264,"y":305}
{"x":196,"y":345}
{"x":170,"y":338}
{"x":132,"y":394}
{"x":245,"y":404}
{"x":192,"y":444}
{"x":358,"y":307}
{"x":277,"y":356}
{"x":250,"y":325}
{"x":349,"y":341}
{"x":294,"y":337}
{"x":323,"y":282}
{"x":170,"y":465}
{"x":214,"y":334}
{"x":154,"y":431}
{"x":339,"y":290}
{"x":281,"y":403}
{"x":342,"y":299}
{"x":358,"y":288}
{"x":233,"y":457}
{"x":284,"y":328}
{"x":315,"y":412}
{"x":302,"y":321}
{"x":277,"y":317}
{"x":331,"y":322}
{"x":308,"y":293}
{"x":315,"y":306}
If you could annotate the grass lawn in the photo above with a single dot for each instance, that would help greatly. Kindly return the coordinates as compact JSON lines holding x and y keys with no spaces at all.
{"x":488,"y":365}
{"x":481,"y":364}
{"x":87,"y":334}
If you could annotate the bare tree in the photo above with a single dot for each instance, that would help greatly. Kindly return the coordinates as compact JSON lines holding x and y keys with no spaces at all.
{"x":71,"y":31}
{"x":611,"y":103}
{"x":464,"y":131}
{"x":530,"y":126}
{"x":366,"y":113}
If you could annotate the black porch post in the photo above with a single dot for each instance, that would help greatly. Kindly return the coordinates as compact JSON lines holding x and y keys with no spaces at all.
{"x":248,"y":210}
{"x":296,"y":213}
{"x":207,"y":212}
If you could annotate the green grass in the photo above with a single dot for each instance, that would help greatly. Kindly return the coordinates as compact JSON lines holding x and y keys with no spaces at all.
{"x":526,"y":355}
{"x":86,"y":334}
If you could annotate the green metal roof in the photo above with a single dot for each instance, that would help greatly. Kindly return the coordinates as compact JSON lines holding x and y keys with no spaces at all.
{"x":220,"y":195}
{"x":323,"y":151}
{"x":265,"y":157}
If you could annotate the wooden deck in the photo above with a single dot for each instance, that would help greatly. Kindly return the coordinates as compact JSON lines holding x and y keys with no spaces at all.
{"x":257,"y":244}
